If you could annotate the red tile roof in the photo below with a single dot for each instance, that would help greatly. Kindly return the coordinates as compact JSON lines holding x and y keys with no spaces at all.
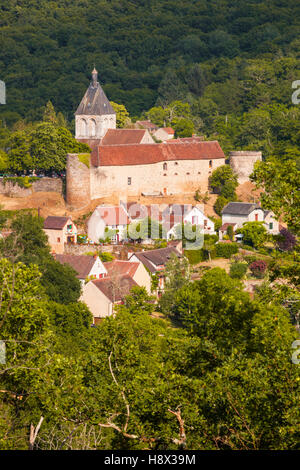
{"x":147,"y":125}
{"x":113,"y":215}
{"x":115,"y":289}
{"x":123,"y":136}
{"x":144,"y":154}
{"x":168,"y":130}
{"x":121,"y":268}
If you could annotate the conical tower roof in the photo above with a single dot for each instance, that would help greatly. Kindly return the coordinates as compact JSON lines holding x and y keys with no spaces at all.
{"x":95,"y":101}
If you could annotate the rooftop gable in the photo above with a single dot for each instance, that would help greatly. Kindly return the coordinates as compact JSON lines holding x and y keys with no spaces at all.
{"x":55,"y":222}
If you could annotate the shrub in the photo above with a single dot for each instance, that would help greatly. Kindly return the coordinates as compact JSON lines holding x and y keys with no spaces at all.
{"x":238,"y":270}
{"x":286,"y":240}
{"x":258,"y":268}
{"x":225,"y":250}
{"x":194,"y":256}
{"x":105,"y":256}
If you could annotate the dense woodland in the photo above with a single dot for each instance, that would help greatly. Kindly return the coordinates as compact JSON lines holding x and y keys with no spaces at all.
{"x":233,"y":63}
{"x":216,"y":358}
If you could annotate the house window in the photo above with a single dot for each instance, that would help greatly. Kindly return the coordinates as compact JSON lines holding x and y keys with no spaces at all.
{"x":129,"y":181}
{"x":176,"y":163}
{"x":210,"y":164}
{"x":187,"y":173}
{"x":194,"y":220}
{"x":256,"y":217}
{"x":165,"y":166}
{"x":58,"y":239}
{"x":205,"y":223}
{"x":271,"y":226}
{"x":175,"y":174}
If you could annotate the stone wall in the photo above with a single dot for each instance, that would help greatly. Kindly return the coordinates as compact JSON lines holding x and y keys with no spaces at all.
{"x":78,"y":192}
{"x":172,"y":177}
{"x":12,"y":189}
{"x":242,"y":163}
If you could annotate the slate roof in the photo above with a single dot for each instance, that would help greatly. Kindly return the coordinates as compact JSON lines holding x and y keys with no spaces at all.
{"x":82,"y":264}
{"x":144,"y":154}
{"x":156,"y":257}
{"x":240,"y":208}
{"x":115,"y":290}
{"x":55,"y":222}
{"x":123,"y":136}
{"x":94,"y":102}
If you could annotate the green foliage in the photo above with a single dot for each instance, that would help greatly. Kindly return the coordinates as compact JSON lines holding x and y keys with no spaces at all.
{"x":280,"y":183}
{"x":226,"y":250}
{"x":224,"y":182}
{"x":194,"y":256}
{"x":22,"y":181}
{"x":238,"y":270}
{"x":220,"y":204}
{"x":59,"y":281}
{"x":254,"y":234}
{"x":85,"y":159}
{"x":176,"y":275}
{"x":122,"y":114}
{"x":105,"y":256}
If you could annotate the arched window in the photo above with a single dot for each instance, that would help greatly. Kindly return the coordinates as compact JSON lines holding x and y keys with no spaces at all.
{"x":92,"y":127}
{"x":165,"y":166}
{"x":83,"y":127}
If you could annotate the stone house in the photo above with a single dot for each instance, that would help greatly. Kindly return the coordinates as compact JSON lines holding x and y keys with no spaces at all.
{"x":238,"y":213}
{"x":164,"y":133}
{"x":189,"y":214}
{"x":108,"y":220}
{"x":136,"y":271}
{"x":87,"y":267}
{"x":101,"y":295}
{"x":60,"y":230}
{"x":155,"y":262}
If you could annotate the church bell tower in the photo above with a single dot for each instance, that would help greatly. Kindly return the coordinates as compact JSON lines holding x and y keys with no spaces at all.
{"x":95,"y":115}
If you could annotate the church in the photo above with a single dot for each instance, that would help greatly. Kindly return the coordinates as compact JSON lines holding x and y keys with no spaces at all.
{"x":128,"y":162}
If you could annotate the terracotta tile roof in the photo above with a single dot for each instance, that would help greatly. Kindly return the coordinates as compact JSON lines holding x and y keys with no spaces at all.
{"x":157,"y":258}
{"x":168,"y":130}
{"x":147,"y":125}
{"x":82,"y":264}
{"x":144,"y":154}
{"x":121,"y":268}
{"x":123,"y":136}
{"x":55,"y":222}
{"x":113,"y":215}
{"x":115,"y":289}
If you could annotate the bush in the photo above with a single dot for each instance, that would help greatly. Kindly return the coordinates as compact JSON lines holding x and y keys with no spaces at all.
{"x":258,"y":268}
{"x":194,"y":256}
{"x":226,"y":250}
{"x":238,"y":270}
{"x":105,"y":256}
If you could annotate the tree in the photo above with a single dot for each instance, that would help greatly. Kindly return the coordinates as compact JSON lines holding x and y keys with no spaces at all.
{"x":254,"y":234}
{"x":59,"y":281}
{"x":176,"y":275}
{"x":183,"y":127}
{"x":122,"y":114}
{"x":139,"y":301}
{"x":286,"y":240}
{"x":224,"y":182}
{"x":220,"y":204}
{"x":50,"y":114}
{"x":280,"y":184}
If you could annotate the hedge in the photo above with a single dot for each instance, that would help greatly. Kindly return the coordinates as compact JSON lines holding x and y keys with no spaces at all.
{"x":226,"y":250}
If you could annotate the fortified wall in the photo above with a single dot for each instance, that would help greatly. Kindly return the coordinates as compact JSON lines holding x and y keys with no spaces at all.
{"x":242,"y":163}
{"x":78,"y":180}
{"x":12,"y":189}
